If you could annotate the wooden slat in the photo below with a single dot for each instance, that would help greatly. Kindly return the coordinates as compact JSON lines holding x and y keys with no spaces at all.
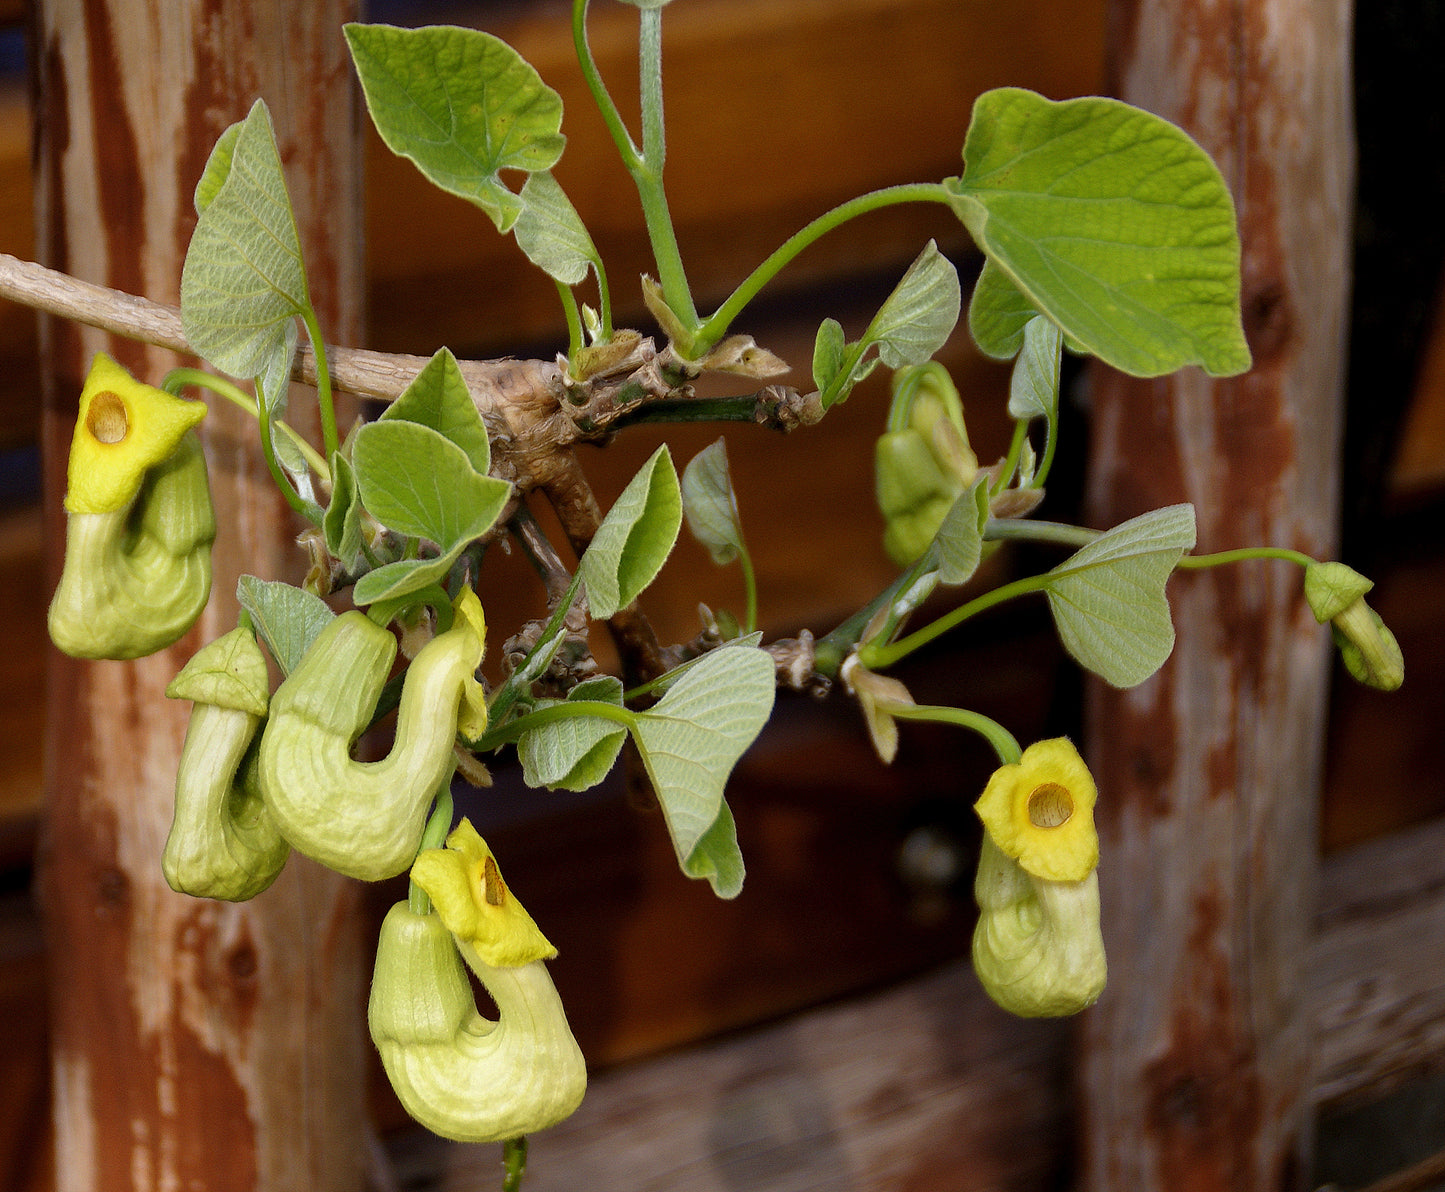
{"x":1196,"y":1076}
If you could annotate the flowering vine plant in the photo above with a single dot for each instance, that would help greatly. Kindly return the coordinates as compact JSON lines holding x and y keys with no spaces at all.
{"x":1105,"y":231}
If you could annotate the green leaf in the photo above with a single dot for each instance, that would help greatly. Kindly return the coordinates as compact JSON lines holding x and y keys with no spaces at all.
{"x":405,"y":577}
{"x":635,"y":537}
{"x":690,"y":741}
{"x":1108,"y":598}
{"x":287,"y":618}
{"x":462,"y":105}
{"x":218,"y":165}
{"x":579,"y":752}
{"x":438,"y":397}
{"x":1112,"y":222}
{"x":914,"y":321}
{"x":998,"y":313}
{"x":828,"y":351}
{"x":921,"y":313}
{"x":243,"y":280}
{"x":710,"y":505}
{"x":1034,"y":386}
{"x":341,"y":525}
{"x":552,"y":234}
{"x":417,"y":482}
{"x":960,"y":537}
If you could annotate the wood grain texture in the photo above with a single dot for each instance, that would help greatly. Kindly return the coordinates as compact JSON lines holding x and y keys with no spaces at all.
{"x":1195,"y":1072}
{"x":195,"y":1044}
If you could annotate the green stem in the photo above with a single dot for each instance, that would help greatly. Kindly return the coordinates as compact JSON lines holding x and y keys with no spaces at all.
{"x":600,"y":95}
{"x":574,"y":319}
{"x":514,"y":1158}
{"x":178,"y":378}
{"x":647,"y":175}
{"x":1239,"y":555}
{"x":750,"y":586}
{"x":830,"y":651}
{"x":329,"y":439}
{"x":508,"y":693}
{"x":434,"y":835}
{"x":1004,"y":528}
{"x":1011,"y":461}
{"x":716,"y":326}
{"x":1004,"y":743}
{"x":882,"y":655}
{"x":308,"y":509}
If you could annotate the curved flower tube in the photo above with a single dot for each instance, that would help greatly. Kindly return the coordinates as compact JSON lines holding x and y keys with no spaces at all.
{"x":459,"y":1074}
{"x":1037,"y":948}
{"x":1336,"y":593}
{"x":223,"y":842}
{"x":136,"y":577}
{"x":365,"y":819}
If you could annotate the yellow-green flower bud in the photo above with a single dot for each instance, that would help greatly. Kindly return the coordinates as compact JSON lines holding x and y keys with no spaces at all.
{"x":1037,"y":948}
{"x":136,"y":577}
{"x":457,"y":1073}
{"x":223,"y":842}
{"x":1336,"y":593}
{"x":365,"y":819}
{"x":922,"y":463}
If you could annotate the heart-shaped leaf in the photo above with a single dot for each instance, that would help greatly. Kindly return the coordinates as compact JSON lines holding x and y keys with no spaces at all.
{"x":1109,"y":220}
{"x":462,"y":105}
{"x":438,"y":397}
{"x":635,"y":537}
{"x":690,"y":741}
{"x":1108,"y":598}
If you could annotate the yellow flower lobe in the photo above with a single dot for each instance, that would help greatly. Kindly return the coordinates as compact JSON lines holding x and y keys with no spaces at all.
{"x":124,"y":429}
{"x":1040,"y":811}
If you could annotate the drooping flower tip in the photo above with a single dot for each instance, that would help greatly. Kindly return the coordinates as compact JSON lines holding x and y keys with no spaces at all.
{"x":1040,"y":811}
{"x":124,"y":429}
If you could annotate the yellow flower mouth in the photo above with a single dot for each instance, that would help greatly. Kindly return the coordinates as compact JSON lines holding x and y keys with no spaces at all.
{"x":1050,"y":806}
{"x":107,"y":419}
{"x":1040,"y":811}
{"x":125,"y":427}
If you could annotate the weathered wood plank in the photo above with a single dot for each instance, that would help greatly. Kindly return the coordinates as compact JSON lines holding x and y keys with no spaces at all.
{"x":195,"y":1044}
{"x":1195,"y":1072}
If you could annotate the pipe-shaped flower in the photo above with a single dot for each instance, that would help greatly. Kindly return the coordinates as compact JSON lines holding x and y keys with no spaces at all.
{"x":1040,"y":811}
{"x":459,"y":1074}
{"x":136,"y":577}
{"x":365,"y":819}
{"x":125,"y":428}
{"x":223,"y":841}
{"x":1037,"y":948}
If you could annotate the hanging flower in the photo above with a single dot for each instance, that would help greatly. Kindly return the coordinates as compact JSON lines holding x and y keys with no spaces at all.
{"x":124,"y":429}
{"x":1040,"y":811}
{"x":1336,"y":593}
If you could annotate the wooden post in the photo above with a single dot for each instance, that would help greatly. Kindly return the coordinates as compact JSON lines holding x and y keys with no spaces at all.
{"x":197,"y":1045}
{"x":1194,"y":1071}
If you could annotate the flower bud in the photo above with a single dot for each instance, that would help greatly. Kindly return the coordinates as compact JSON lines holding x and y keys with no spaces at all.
{"x":1336,"y":593}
